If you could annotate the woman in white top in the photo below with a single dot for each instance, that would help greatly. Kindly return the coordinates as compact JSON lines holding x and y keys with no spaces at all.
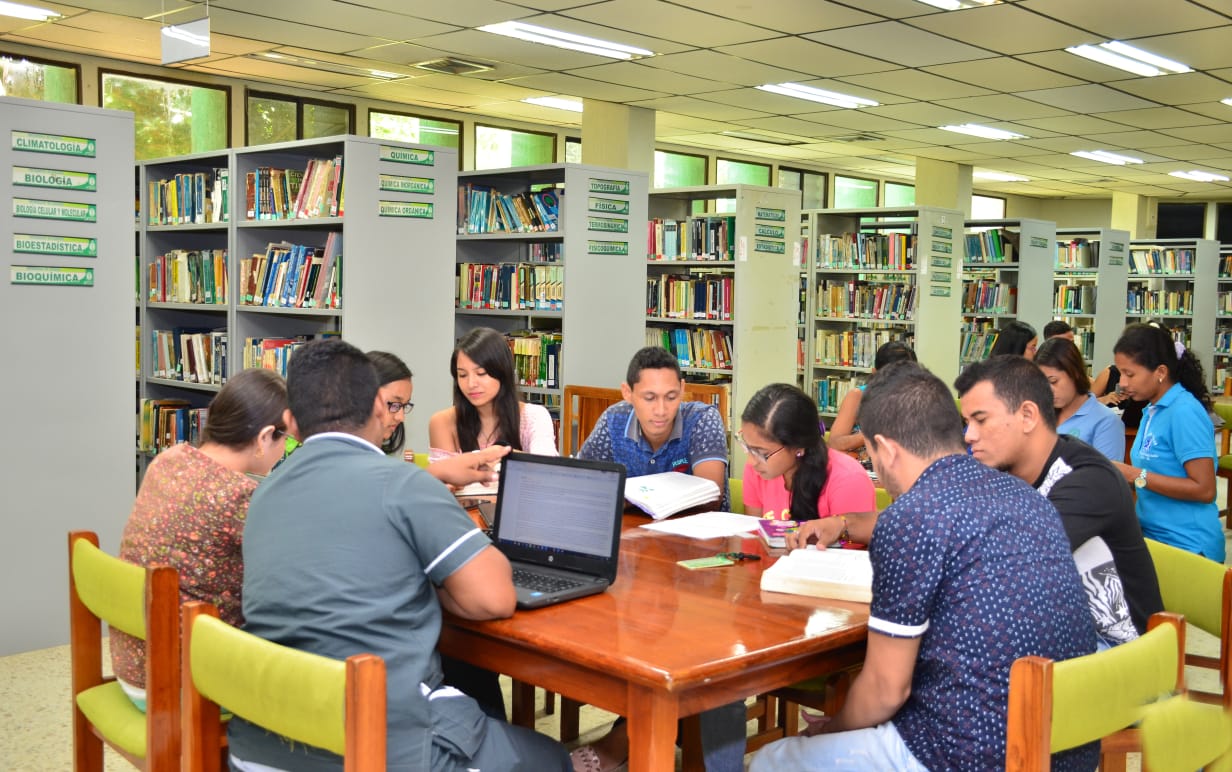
{"x":486,"y":409}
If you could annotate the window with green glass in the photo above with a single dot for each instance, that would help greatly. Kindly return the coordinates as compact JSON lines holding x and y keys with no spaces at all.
{"x":898,"y":194}
{"x":573,"y":150}
{"x":678,"y":170}
{"x":811,"y":184}
{"x":170,"y":117}
{"x":987,"y":208}
{"x":497,"y":148}
{"x":282,"y":118}
{"x":37,"y":79}
{"x":415,"y":129}
{"x":731,"y":172}
{"x":854,"y":192}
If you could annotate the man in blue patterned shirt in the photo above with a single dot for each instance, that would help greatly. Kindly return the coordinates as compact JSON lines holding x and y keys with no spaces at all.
{"x":971,"y":570}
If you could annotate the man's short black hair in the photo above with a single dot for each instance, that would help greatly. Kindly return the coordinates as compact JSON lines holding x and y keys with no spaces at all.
{"x":906,"y":403}
{"x":331,"y":386}
{"x":1014,"y":380}
{"x":1056,"y":327}
{"x":651,"y":358}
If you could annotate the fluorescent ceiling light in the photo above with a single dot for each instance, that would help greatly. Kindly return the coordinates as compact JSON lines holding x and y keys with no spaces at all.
{"x":998,"y":176}
{"x":560,"y":103}
{"x":21,"y":11}
{"x":1227,"y":101}
{"x":987,"y":132}
{"x":1198,"y":176}
{"x":800,"y":91}
{"x":1106,"y":157}
{"x":1123,"y":56}
{"x":956,"y":5}
{"x":553,"y":37}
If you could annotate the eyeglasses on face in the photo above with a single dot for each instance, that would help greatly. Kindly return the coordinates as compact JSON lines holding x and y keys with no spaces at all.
{"x":758,"y":454}
{"x":400,"y":407}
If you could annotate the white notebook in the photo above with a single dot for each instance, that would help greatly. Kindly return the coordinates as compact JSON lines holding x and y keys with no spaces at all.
{"x":664,"y":494}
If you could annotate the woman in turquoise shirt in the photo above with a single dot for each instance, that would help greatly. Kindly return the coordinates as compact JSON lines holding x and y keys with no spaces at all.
{"x":1174,"y":453}
{"x":1079,"y":413}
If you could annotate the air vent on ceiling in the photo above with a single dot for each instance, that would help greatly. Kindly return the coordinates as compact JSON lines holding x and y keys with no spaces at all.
{"x":449,"y":66}
{"x":857,"y":137}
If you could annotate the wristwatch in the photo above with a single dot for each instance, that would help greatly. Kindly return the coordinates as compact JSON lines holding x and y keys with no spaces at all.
{"x":1140,"y":480}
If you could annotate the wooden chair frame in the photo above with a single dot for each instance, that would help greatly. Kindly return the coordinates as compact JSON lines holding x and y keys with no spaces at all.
{"x":162,"y":667}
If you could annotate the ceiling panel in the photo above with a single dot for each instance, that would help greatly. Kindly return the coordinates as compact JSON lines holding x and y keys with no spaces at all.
{"x":684,"y":25}
{"x":698,"y":108}
{"x":273,"y":71}
{"x":1204,"y":49}
{"x":284,"y":32}
{"x":484,"y":88}
{"x":762,"y":101}
{"x":729,"y":69}
{"x":1125,"y":19}
{"x":639,"y":75}
{"x":409,"y":91}
{"x":793,"y":16}
{"x":360,"y":20}
{"x":1007,"y":150}
{"x":1082,"y":125}
{"x":1003,"y":107}
{"x":816,"y":59}
{"x":459,"y":13}
{"x":1159,"y":117}
{"x":1077,"y":66}
{"x":136,"y":8}
{"x":1220,"y":132}
{"x":1179,"y":89}
{"x":900,"y":43}
{"x":915,"y":84}
{"x":1135,"y":139}
{"x":1190,"y":151}
{"x":487,"y":47}
{"x":1215,"y":110}
{"x":987,"y":27}
{"x":1003,"y":75}
{"x":571,"y":85}
{"x":859,"y":120}
{"x":1091,"y":98}
{"x":791,"y":125}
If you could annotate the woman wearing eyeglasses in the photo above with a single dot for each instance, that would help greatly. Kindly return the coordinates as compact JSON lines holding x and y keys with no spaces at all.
{"x":395,"y":379}
{"x":790,"y":473}
{"x":191,"y":507}
{"x":486,"y":409}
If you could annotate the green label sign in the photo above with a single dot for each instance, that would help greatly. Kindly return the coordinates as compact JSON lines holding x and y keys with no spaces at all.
{"x":943,"y":247}
{"x":615,"y":187}
{"x":408,"y":155}
{"x":1039,"y":241}
{"x":397,"y":184}
{"x":939,"y":291}
{"x":608,"y":205}
{"x":32,"y":142}
{"x":771,"y":247}
{"x":941,"y":262}
{"x":607,"y":247}
{"x":1116,"y":246}
{"x":43,"y":274}
{"x":765,"y":213}
{"x":1116,"y":260}
{"x":771,"y":231}
{"x":609,"y":224}
{"x":942,"y":233}
{"x":417,"y":209}
{"x":942,"y":277}
{"x":55,"y":178}
{"x":54,"y":210}
{"x":67,"y":246}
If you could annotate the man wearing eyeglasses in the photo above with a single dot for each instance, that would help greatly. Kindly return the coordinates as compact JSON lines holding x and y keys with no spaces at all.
{"x":654,"y":431}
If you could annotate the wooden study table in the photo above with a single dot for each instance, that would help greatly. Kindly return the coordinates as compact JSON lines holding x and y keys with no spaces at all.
{"x":665,"y":642}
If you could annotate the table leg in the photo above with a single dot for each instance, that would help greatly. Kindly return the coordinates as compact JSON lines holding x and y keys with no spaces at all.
{"x":523,"y":698}
{"x":652,"y":730}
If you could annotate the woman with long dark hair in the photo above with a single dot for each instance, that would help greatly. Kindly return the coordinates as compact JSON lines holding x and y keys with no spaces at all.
{"x":1079,"y":414}
{"x":486,"y":409}
{"x":1017,"y":338}
{"x":396,"y":389}
{"x":790,"y":473}
{"x":1173,"y":457}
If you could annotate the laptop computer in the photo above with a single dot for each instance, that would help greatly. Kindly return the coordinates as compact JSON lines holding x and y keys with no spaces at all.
{"x":558,"y":521}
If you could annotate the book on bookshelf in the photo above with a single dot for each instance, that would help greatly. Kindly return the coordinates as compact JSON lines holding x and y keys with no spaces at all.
{"x":190,"y":198}
{"x":273,"y":193}
{"x":517,"y":286}
{"x":190,"y":355}
{"x":705,"y":237}
{"x":189,"y":276}
{"x":294,"y":275}
{"x":484,"y":209}
{"x":690,"y":296}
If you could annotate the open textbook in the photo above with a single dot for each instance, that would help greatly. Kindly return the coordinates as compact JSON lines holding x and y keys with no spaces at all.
{"x":834,"y":573}
{"x":664,"y":494}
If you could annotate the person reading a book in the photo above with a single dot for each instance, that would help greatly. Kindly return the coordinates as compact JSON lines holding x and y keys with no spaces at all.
{"x":349,"y":551}
{"x":396,"y":388}
{"x":486,"y":409}
{"x":971,"y":570}
{"x":192,"y":504}
{"x":1012,"y":426}
{"x":1017,"y":338}
{"x":1058,"y":328}
{"x":790,"y":473}
{"x":1079,"y":413}
{"x":845,"y":431}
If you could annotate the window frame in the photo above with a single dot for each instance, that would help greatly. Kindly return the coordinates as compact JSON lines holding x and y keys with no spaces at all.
{"x":183,"y":82}
{"x":825,"y":176}
{"x":834,"y":188}
{"x":885,"y":192}
{"x":299,"y":102}
{"x":1005,"y":201}
{"x":768,"y":167}
{"x":76,"y":68}
{"x":705,"y":164}
{"x":418,"y":116}
{"x":475,"y":132}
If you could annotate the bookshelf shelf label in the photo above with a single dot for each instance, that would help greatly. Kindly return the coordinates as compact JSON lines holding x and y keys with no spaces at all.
{"x":607,"y":247}
{"x":774,"y":215}
{"x":40,"y":209}
{"x":66,"y":246}
{"x":612,"y":187}
{"x":770,"y":231}
{"x":62,"y":276}
{"x":607,"y":224}
{"x":942,"y":291}
{"x":607,"y":205}
{"x":399,"y":184}
{"x":1039,"y":241}
{"x":417,"y":209}
{"x":943,"y":247}
{"x":33,"y":142}
{"x":408,"y":155}
{"x":941,"y":262}
{"x":940,"y":232}
{"x":770,"y":247}
{"x":55,"y":178}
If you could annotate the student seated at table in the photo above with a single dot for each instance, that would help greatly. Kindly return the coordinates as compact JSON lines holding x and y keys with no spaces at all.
{"x":396,"y":388}
{"x":486,"y":409}
{"x":652,"y":430}
{"x":1012,"y":426}
{"x":190,"y":510}
{"x":1058,"y":328}
{"x":1017,"y":338}
{"x":1079,"y":414}
{"x":790,"y":473}
{"x":971,"y":570}
{"x":845,"y":431}
{"x":349,"y":551}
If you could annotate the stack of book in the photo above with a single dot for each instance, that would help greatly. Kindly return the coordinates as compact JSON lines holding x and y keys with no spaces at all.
{"x":664,"y":494}
{"x":827,"y":573}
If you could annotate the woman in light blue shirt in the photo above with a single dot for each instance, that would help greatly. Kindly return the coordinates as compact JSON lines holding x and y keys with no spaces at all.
{"x":1079,"y":413}
{"x":1174,"y":453}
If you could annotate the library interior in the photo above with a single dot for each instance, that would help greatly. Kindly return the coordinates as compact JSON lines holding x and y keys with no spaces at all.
{"x":770,"y":190}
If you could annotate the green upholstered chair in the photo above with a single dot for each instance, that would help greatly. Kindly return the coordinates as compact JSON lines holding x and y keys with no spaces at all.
{"x":142,"y":602}
{"x":1224,"y":469}
{"x":1180,"y":735}
{"x":1055,"y":706}
{"x":1201,"y":591}
{"x":884,"y":499}
{"x":735,"y":488}
{"x":421,"y":460}
{"x":327,"y":703}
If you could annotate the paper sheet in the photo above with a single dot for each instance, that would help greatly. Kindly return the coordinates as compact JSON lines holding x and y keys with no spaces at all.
{"x":707,"y":525}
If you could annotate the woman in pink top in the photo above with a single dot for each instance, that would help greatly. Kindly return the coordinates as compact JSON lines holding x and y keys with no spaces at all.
{"x":790,"y":473}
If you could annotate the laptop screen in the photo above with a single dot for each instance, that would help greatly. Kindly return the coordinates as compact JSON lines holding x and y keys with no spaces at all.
{"x":552,"y":509}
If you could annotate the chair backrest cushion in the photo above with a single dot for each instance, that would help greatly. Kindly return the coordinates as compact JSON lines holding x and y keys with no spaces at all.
{"x":1180,"y":735}
{"x":1190,"y":584}
{"x":112,"y":589}
{"x":736,"y":488}
{"x":1102,"y":693}
{"x":295,"y":694}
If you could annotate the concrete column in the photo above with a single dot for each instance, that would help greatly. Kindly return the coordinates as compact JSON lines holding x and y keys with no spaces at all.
{"x":1137,"y":214}
{"x":618,"y":136}
{"x":944,"y":184}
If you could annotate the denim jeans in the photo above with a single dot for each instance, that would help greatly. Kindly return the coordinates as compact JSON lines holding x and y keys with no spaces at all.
{"x":876,"y":748}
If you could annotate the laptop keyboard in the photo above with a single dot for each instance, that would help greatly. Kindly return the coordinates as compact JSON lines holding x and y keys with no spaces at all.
{"x":542,"y":583}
